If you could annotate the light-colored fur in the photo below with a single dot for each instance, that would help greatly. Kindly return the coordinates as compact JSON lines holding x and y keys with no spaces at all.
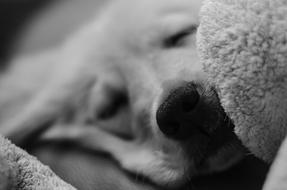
{"x":123,"y":50}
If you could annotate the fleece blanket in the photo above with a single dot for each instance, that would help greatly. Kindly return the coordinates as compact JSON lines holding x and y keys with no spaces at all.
{"x":21,"y":171}
{"x":243,"y":46}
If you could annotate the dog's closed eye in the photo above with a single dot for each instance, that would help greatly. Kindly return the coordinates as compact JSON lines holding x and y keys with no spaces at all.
{"x":117,"y":101}
{"x":111,"y":112}
{"x":179,"y":38}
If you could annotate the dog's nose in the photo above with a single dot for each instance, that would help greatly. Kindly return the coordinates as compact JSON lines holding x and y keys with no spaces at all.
{"x":176,"y":116}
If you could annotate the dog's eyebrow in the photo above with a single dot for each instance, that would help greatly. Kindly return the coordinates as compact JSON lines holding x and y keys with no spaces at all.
{"x":177,"y":39}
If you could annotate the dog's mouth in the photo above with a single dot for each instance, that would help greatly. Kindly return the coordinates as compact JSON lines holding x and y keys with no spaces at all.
{"x":202,"y":139}
{"x":170,"y":159}
{"x":172,"y":164}
{"x":194,"y":139}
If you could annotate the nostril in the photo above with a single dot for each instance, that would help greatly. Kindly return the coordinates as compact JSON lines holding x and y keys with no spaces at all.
{"x":170,"y":128}
{"x":190,"y":101}
{"x":174,"y":115}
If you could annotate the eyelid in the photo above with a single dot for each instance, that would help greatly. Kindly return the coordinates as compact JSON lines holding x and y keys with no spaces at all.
{"x":176,"y":40}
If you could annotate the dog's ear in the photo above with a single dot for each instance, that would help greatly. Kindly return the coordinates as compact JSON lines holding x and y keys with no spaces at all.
{"x":42,"y":88}
{"x":108,"y":105}
{"x":21,"y":80}
{"x":34,"y":95}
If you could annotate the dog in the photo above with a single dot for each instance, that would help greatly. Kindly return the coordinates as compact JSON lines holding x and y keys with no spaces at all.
{"x":129,"y":83}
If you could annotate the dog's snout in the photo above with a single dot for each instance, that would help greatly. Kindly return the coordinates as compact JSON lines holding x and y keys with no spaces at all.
{"x":176,"y":116}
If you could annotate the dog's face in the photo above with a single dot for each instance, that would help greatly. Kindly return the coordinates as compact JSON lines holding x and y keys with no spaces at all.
{"x":147,"y":85}
{"x":176,"y":120}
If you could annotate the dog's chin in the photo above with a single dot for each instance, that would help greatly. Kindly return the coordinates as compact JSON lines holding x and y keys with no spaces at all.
{"x":172,"y":164}
{"x":166,"y":173}
{"x":174,"y":169}
{"x":173,"y":172}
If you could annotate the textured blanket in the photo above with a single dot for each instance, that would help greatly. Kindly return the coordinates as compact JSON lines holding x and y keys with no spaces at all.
{"x":243,"y":46}
{"x":21,"y":171}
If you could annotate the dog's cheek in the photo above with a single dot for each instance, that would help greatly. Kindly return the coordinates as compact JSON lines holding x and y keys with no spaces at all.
{"x":108,"y":95}
{"x":108,"y":108}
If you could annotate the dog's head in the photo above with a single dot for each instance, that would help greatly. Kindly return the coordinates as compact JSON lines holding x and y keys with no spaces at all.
{"x":177,"y":123}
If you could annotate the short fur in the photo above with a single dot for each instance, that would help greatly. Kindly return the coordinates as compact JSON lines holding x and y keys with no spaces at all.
{"x":123,"y":52}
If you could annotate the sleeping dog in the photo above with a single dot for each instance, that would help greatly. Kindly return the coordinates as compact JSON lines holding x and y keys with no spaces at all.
{"x":130,"y":84}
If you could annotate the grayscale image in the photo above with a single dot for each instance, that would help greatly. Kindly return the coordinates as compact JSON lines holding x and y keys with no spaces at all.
{"x":143,"y":94}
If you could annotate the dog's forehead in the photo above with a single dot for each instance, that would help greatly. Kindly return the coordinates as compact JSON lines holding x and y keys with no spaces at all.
{"x":145,"y":13}
{"x":147,"y":21}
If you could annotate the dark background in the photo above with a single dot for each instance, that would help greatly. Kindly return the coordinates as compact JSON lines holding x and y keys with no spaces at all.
{"x":13,"y":16}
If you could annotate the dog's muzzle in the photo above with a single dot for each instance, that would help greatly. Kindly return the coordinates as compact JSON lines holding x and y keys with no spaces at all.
{"x":180,"y":114}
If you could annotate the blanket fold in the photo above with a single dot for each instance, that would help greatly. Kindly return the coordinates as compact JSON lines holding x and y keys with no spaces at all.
{"x":243,"y":47}
{"x":21,"y":171}
{"x":242,"y":44}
